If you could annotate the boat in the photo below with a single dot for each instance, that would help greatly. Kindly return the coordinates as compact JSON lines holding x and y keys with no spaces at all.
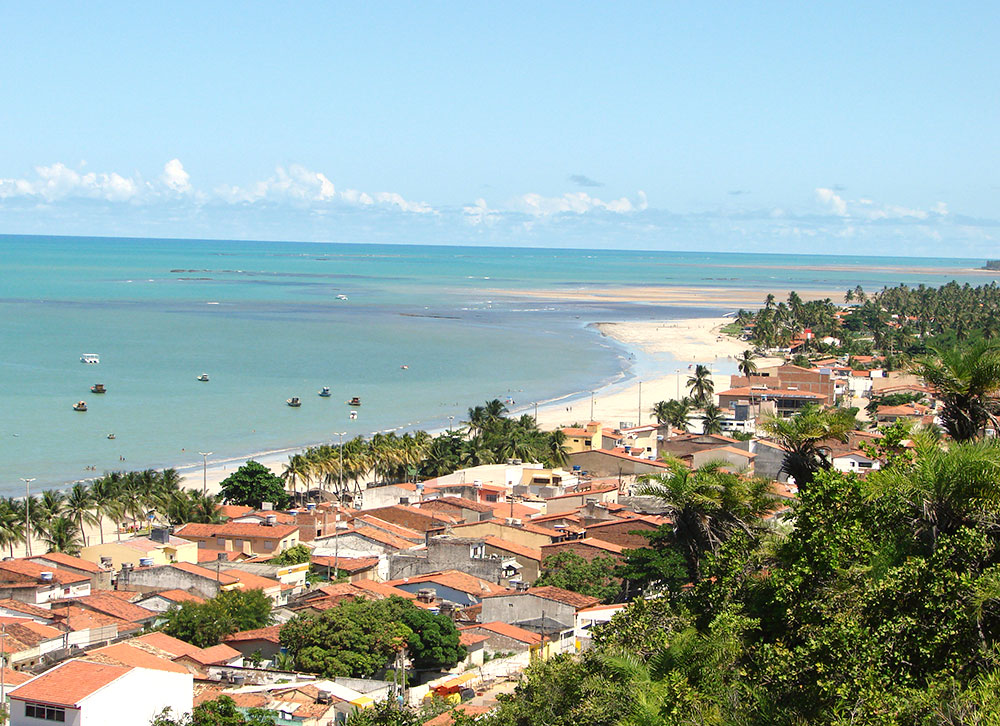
{"x":341,"y":297}
{"x":325,"y":393}
{"x":80,"y":406}
{"x":98,"y":388}
{"x":111,"y":436}
{"x":404,"y":367}
{"x":203,"y":377}
{"x":354,"y":415}
{"x":354,"y":401}
{"x":91,"y":358}
{"x":294,"y":402}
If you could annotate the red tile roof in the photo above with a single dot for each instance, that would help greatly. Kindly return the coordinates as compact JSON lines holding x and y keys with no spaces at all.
{"x":240,"y":530}
{"x":508,"y":630}
{"x":270,"y":633}
{"x":468,"y":639}
{"x":27,"y":609}
{"x":109,"y":605}
{"x":459,"y":503}
{"x":127,"y":654}
{"x":375,"y":535}
{"x":31,"y":572}
{"x":586,"y":542}
{"x":207,"y":554}
{"x":392,"y":528}
{"x":177,"y":596}
{"x":507,"y":546}
{"x":556,"y":594}
{"x":347,"y":564}
{"x":584,"y":493}
{"x":223,"y":578}
{"x":772,"y":393}
{"x":250,"y":581}
{"x":455,"y":580}
{"x":60,"y":558}
{"x":214,"y":655}
{"x":166,"y":643}
{"x":69,"y":683}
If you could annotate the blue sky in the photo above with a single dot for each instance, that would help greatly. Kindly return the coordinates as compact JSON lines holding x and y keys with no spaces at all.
{"x":819,"y":127}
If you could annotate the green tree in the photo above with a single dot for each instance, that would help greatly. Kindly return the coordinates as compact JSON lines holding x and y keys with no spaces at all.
{"x":219,"y":712}
{"x":701,"y":385}
{"x":252,"y":484}
{"x":292,"y":556}
{"x":569,"y":571}
{"x":966,"y":380}
{"x":62,"y":535}
{"x":807,"y":437}
{"x":206,"y":624}
{"x":711,"y":419}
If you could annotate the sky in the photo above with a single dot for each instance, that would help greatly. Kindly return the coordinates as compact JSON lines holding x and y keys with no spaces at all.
{"x":763,"y":127}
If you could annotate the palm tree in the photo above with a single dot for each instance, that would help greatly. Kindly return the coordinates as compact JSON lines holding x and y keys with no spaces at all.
{"x":706,"y":507}
{"x":661,"y":411}
{"x":701,"y":385}
{"x":557,"y":449}
{"x":711,"y":420}
{"x":79,"y":507}
{"x":104,"y":499}
{"x":61,"y":535}
{"x":806,"y":439}
{"x":296,"y":470}
{"x":965,"y":381}
{"x":11,"y":524}
{"x":745,"y":364}
{"x":945,"y":489}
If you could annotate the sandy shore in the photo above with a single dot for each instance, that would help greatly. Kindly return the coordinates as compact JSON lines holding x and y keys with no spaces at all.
{"x":666,"y":295}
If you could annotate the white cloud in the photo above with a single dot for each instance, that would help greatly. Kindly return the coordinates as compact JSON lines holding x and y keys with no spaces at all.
{"x":480,"y":213}
{"x":58,"y":181}
{"x":864,"y":208}
{"x":836,"y":202}
{"x":175,"y":177}
{"x":575,"y":203}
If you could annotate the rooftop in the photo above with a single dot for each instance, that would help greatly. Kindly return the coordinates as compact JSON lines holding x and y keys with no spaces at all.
{"x":236,"y":529}
{"x":69,"y":683}
{"x":556,"y":594}
{"x":453,"y":579}
{"x":508,"y":630}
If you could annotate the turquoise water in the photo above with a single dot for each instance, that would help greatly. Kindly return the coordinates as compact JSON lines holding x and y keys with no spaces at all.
{"x":263,"y":319}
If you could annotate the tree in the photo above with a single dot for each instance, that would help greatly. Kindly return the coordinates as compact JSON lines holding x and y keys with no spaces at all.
{"x":359,"y":637}
{"x":219,"y":712}
{"x":62,"y":535}
{"x":706,"y":507}
{"x":206,"y":624}
{"x":966,"y":381}
{"x":252,"y":484}
{"x":292,"y":556}
{"x":806,"y":438}
{"x":711,"y":419}
{"x":701,"y":385}
{"x":570,"y":571}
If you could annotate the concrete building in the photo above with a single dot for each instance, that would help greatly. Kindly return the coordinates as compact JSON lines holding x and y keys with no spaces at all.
{"x":503,"y":637}
{"x":82,"y":693}
{"x":588,"y":548}
{"x":160,"y":548}
{"x":35,"y":584}
{"x":577,"y":499}
{"x":178,"y":576}
{"x":544,"y":610}
{"x":446,"y":552}
{"x":253,"y":539}
{"x":100,"y":577}
{"x":451,"y":586}
{"x":614,"y":463}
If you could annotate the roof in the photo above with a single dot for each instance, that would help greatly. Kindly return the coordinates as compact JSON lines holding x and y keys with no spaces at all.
{"x":623,"y":455}
{"x":128,"y":654}
{"x":15,"y":678}
{"x":347,"y":564}
{"x":60,"y":558}
{"x":392,"y":528}
{"x":460,"y":502}
{"x":23,"y":570}
{"x":588,"y":542}
{"x":513,"y":509}
{"x":773,"y":392}
{"x":236,"y":529}
{"x":468,"y":639}
{"x":446,"y":718}
{"x":220,"y":653}
{"x":176,"y":596}
{"x":231,"y":511}
{"x":731,"y":450}
{"x":383,"y":589}
{"x":906,"y":409}
{"x":145,"y":544}
{"x":77,"y":617}
{"x":375,"y":535}
{"x":508,"y":630}
{"x":192,"y":569}
{"x":270,"y":633}
{"x":27,"y":609}
{"x":110,"y":605}
{"x":166,"y":643}
{"x":69,"y":683}
{"x":453,"y":579}
{"x":584,"y":493}
{"x":207,"y":554}
{"x":571,"y":431}
{"x":556,"y":594}
{"x":250,"y":581}
{"x":507,"y":546}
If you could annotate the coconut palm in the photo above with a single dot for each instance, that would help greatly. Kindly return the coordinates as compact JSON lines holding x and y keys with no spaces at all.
{"x":557,"y":449}
{"x":104,"y":501}
{"x":297,"y":469}
{"x":706,"y":507}
{"x":711,"y":420}
{"x":966,"y":381}
{"x":79,"y":507}
{"x":61,"y":535}
{"x":701,"y":385}
{"x":806,"y":438}
{"x":11,"y":524}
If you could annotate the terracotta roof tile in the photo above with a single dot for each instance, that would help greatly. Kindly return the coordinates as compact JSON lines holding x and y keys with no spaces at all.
{"x":128,"y":654}
{"x":60,"y":558}
{"x":455,"y":580}
{"x":27,"y":609}
{"x":587,"y":542}
{"x":347,"y":564}
{"x":176,"y":596}
{"x":507,"y":630}
{"x":25,"y":571}
{"x":109,"y":605}
{"x":556,"y":594}
{"x":236,"y":529}
{"x":514,"y":548}
{"x":166,"y":643}
{"x":250,"y":581}
{"x":270,"y":633}
{"x":214,"y":655}
{"x":459,"y":503}
{"x":203,"y":572}
{"x":69,"y":683}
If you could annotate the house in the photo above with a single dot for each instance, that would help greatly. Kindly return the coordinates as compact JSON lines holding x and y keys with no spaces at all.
{"x":857,"y":461}
{"x":503,"y":637}
{"x":364,"y":541}
{"x":160,"y":548}
{"x":588,"y":548}
{"x":788,"y":376}
{"x":528,"y":559}
{"x":582,"y":439}
{"x":160,"y":602}
{"x":544,"y":610}
{"x":250,"y":581}
{"x":623,"y":531}
{"x":451,"y":585}
{"x":83,"y":693}
{"x":614,"y":462}
{"x":908,"y":412}
{"x":418,"y":519}
{"x":459,"y":507}
{"x":513,"y":530}
{"x":787,"y":401}
{"x":447,"y":552}
{"x":735,"y":459}
{"x":254,"y":539}
{"x":574,"y":500}
{"x":178,"y":576}
{"x":100,"y":577}
{"x":262,"y":640}
{"x":109,"y":604}
{"x":356,"y":568}
{"x":35,"y":584}
{"x":396,"y":530}
{"x":587,"y":618}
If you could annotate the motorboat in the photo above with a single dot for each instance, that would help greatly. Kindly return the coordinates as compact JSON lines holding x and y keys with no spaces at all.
{"x":203,"y":377}
{"x":325,"y":393}
{"x":354,"y":401}
{"x":111,"y":436}
{"x":341,"y":297}
{"x":404,"y":367}
{"x":91,"y":358}
{"x":354,"y":415}
{"x":80,"y":406}
{"x":294,"y":402}
{"x":98,"y":388}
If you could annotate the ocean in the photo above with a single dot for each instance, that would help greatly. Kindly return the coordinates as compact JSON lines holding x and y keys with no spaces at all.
{"x":264,"y":320}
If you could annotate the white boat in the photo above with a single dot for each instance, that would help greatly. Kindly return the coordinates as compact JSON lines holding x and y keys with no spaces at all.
{"x":91,"y":358}
{"x":203,"y":377}
{"x":325,"y":393}
{"x":341,"y":297}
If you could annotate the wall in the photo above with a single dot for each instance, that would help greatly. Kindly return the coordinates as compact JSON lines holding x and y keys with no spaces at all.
{"x":618,"y":533}
{"x":137,"y":697}
{"x":120,"y":554}
{"x":570,"y":503}
{"x":149,"y":579}
{"x":601,"y":464}
{"x":517,"y":609}
{"x":529,"y":567}
{"x":444,"y":554}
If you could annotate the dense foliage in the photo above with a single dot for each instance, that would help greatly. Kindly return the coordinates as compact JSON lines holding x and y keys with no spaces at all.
{"x":570,"y":571}
{"x":360,"y":637}
{"x":252,"y":484}
{"x":292,"y":556}
{"x":219,"y":712}
{"x":207,"y":623}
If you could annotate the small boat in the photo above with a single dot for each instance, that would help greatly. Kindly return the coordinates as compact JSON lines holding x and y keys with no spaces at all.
{"x":325,"y":393}
{"x":294,"y":402}
{"x":203,"y":377}
{"x":354,"y":415}
{"x":404,"y":367}
{"x":341,"y":297}
{"x":91,"y":358}
{"x":354,"y":401}
{"x":80,"y":406}
{"x":98,"y":388}
{"x":111,"y":436}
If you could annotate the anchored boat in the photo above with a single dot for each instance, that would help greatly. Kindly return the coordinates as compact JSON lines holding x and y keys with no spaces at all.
{"x":325,"y":393}
{"x":203,"y":377}
{"x":294,"y":402}
{"x":98,"y":388}
{"x":354,"y":401}
{"x":80,"y":406}
{"x":92,"y":358}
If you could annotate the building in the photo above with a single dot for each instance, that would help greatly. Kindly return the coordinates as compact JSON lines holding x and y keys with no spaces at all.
{"x":100,"y":577}
{"x":503,"y":637}
{"x":787,"y":401}
{"x":204,"y":582}
{"x":451,"y":586}
{"x":160,"y":548}
{"x":588,"y":548}
{"x":577,"y":499}
{"x":253,"y":539}
{"x":83,"y":693}
{"x":544,"y":610}
{"x":35,"y":584}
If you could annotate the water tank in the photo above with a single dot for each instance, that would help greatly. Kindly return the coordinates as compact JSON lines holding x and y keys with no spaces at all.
{"x":145,"y":562}
{"x":270,"y":520}
{"x":45,"y":576}
{"x":310,"y":506}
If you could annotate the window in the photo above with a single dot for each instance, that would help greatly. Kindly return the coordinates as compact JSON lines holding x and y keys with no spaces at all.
{"x":46,"y":713}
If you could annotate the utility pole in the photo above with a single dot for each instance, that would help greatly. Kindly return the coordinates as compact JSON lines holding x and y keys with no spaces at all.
{"x":204,"y":471}
{"x":27,"y":514}
{"x":639,"y":423}
{"x":340,"y":469}
{"x":591,"y":405}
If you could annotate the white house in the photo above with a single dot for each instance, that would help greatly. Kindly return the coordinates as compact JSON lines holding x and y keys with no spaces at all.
{"x":84,"y":693}
{"x":856,"y":461}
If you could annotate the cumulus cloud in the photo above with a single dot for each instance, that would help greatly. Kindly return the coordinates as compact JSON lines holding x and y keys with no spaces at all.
{"x":175,"y":178}
{"x":480,"y":213}
{"x":583,"y":180}
{"x":834,"y":200}
{"x":576,"y":203}
{"x":58,"y":181}
{"x":864,"y":208}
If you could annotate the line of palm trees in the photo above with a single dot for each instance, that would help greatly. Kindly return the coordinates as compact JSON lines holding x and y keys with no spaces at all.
{"x":60,"y":519}
{"x":701,"y":388}
{"x":489,"y":436}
